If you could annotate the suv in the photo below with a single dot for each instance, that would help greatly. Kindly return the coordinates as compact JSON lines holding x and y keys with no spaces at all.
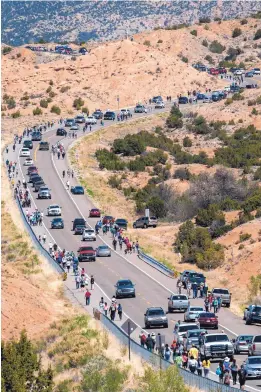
{"x":178,"y":302}
{"x":86,"y":253}
{"x":140,"y":109}
{"x":109,"y":116}
{"x":88,"y":235}
{"x":252,"y":314}
{"x":28,"y":144}
{"x":145,"y":222}
{"x":79,"y":222}
{"x":216,"y":345}
{"x":193,"y":277}
{"x":156,"y":317}
{"x":125,"y":288}
{"x":157,"y":99}
{"x":54,"y":210}
{"x":121,"y":223}
{"x":224,"y":294}
{"x":44,"y":146}
{"x":44,"y":194}
{"x":182,"y":330}
{"x":255,"y":346}
{"x":36,"y":136}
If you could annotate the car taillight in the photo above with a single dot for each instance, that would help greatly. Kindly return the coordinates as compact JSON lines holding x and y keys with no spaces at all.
{"x":254,"y":346}
{"x":241,"y":344}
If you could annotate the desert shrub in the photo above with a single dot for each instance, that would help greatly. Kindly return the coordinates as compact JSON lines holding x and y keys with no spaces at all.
{"x":209,"y":59}
{"x":243,"y":22}
{"x":6,"y":50}
{"x":231,"y":122}
{"x":73,"y":58}
{"x":194,"y":32}
{"x":108,"y":160}
{"x":37,"y":111}
{"x":146,"y":43}
{"x":18,"y":55}
{"x":205,"y":217}
{"x":156,"y":206}
{"x":78,"y":103}
{"x":196,"y":246}
{"x":182,"y":174}
{"x":55,"y":109}
{"x":251,"y":102}
{"x":184,"y":59}
{"x":51,"y":82}
{"x":49,"y":89}
{"x":52,"y":94}
{"x":254,"y":112}
{"x":64,"y":89}
{"x":252,"y":202}
{"x":206,"y":27}
{"x":229,"y":204}
{"x":237,"y":97}
{"x":205,"y":43}
{"x":199,"y":126}
{"x":148,"y":159}
{"x":115,"y":182}
{"x":204,"y":19}
{"x":160,"y":41}
{"x":258,"y":100}
{"x":216,"y":47}
{"x":244,"y":237}
{"x":10,"y":101}
{"x":187,"y":142}
{"x":236,"y":32}
{"x":16,"y":114}
{"x":174,"y":122}
{"x":257,"y":34}
{"x":258,"y":213}
{"x":85,"y":110}
{"x":43,"y":103}
{"x":228,"y":101}
{"x":129,"y":146}
{"x":161,"y":381}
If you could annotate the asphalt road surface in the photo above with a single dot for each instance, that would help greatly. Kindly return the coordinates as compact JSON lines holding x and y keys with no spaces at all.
{"x":152,"y":287}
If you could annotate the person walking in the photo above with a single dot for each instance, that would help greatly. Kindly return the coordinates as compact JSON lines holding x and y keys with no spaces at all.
{"x":220,"y":371}
{"x":215,"y":305}
{"x":68,"y":265}
{"x":206,"y":367}
{"x":195,"y":289}
{"x":77,"y":281}
{"x":192,"y":363}
{"x":119,"y":311}
{"x":227,"y":377}
{"x":44,"y":238}
{"x":142,"y":337}
{"x":242,"y":377}
{"x":199,"y":366}
{"x":105,"y":308}
{"x":167,"y":352}
{"x":87,"y":297}
{"x":185,"y":359}
{"x":92,"y":282}
{"x":112,"y":311}
{"x":149,"y":343}
{"x":50,"y":247}
{"x":63,"y":173}
{"x":193,"y":352}
{"x":234,"y":371}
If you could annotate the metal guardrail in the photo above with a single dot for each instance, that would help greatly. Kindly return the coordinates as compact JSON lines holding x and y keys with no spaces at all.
{"x":203,"y":383}
{"x":38,"y":245}
{"x":156,"y":264}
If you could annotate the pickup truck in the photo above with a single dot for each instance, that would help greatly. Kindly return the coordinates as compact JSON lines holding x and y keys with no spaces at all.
{"x":216,"y":345}
{"x":193,"y":277}
{"x":86,"y":253}
{"x":224,"y":294}
{"x":178,"y":302}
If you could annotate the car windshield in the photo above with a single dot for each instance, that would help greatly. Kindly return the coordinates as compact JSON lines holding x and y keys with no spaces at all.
{"x":195,"y":275}
{"x":257,"y":339}
{"x":254,"y":361}
{"x":196,"y":309}
{"x":247,"y":338}
{"x":124,"y":283}
{"x":207,"y":315}
{"x":57,"y":220}
{"x":54,"y":206}
{"x":83,"y":248}
{"x":78,"y":187}
{"x":89,"y":231}
{"x":257,"y":309}
{"x":156,"y":312}
{"x":185,"y":328}
{"x":220,"y":291}
{"x":217,"y":338}
{"x":179,"y":297}
{"x":121,"y":220}
{"x":194,"y":334}
{"x":103,"y":247}
{"x":109,"y":114}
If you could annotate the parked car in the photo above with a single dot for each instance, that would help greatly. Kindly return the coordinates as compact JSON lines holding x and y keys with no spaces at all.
{"x":256,"y":71}
{"x":74,"y":127}
{"x":194,"y":277}
{"x":79,"y":229}
{"x":109,"y":116}
{"x":249,"y":74}
{"x":91,"y":120}
{"x":80,"y":119}
{"x":252,"y":367}
{"x":238,"y":72}
{"x":144,"y":222}
{"x":94,"y":213}
{"x":69,"y":122}
{"x":57,"y":223}
{"x":88,"y":235}
{"x":35,"y":178}
{"x":183,"y":328}
{"x":44,"y":146}
{"x":241,"y":343}
{"x":24,"y":152}
{"x":159,"y":105}
{"x":77,"y":190}
{"x":200,"y":96}
{"x":216,"y":345}
{"x":222,"y":70}
{"x":121,"y":223}
{"x":155,"y":317}
{"x":103,"y":251}
{"x":252,"y":314}
{"x":183,"y":100}
{"x":36,"y":136}
{"x":255,"y":346}
{"x":125,"y":288}
{"x":61,"y":132}
{"x":78,"y":221}
{"x":38,"y":185}
{"x":157,"y":99}
{"x":140,"y":109}
{"x":54,"y":210}
{"x":178,"y":302}
{"x":215,"y":97}
{"x":107,"y":219}
{"x":224,"y":294}
{"x":28,"y":144}
{"x":86,"y":253}
{"x":28,"y":162}
{"x":184,"y":276}
{"x":207,"y":320}
{"x":32,"y":169}
{"x":207,"y":99}
{"x":192,"y":313}
{"x":98,"y":115}
{"x":44,"y":194}
{"x":193,"y":338}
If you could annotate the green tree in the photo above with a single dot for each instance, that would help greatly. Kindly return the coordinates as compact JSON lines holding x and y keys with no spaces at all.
{"x":236,"y":32}
{"x":78,"y":103}
{"x":206,"y":216}
{"x":216,"y":47}
{"x":156,"y":206}
{"x":37,"y":111}
{"x":55,"y":109}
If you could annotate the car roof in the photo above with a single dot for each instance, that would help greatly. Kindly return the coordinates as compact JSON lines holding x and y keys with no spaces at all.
{"x":54,"y":206}
{"x":155,"y":308}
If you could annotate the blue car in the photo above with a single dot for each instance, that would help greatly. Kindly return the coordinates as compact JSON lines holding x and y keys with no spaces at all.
{"x":200,"y":96}
{"x":57,"y":223}
{"x":109,"y":116}
{"x":183,"y":100}
{"x":77,"y":190}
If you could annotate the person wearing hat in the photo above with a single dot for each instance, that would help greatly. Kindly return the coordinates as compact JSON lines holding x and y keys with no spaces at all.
{"x":226,"y":364}
{"x":153,"y":337}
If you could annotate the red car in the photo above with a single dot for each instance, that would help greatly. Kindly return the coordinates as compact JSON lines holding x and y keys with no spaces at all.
{"x":213,"y":71}
{"x":208,"y":320}
{"x":86,"y":253}
{"x":32,"y":169}
{"x":222,"y":70}
{"x":107,"y":219}
{"x":94,"y":213}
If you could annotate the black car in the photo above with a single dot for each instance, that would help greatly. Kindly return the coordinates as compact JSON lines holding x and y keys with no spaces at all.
{"x":183,"y":100}
{"x":125,"y":288}
{"x":61,"y":132}
{"x":253,"y":315}
{"x":44,"y":146}
{"x":36,"y":136}
{"x":77,"y":190}
{"x":28,"y":144}
{"x":109,"y":116}
{"x":79,"y":229}
{"x":79,"y":222}
{"x":98,"y":115}
{"x":121,"y":223}
{"x":57,"y":223}
{"x":34,"y":179}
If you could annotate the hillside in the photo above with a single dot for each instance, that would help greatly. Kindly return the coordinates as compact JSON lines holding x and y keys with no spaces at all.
{"x":28,"y":21}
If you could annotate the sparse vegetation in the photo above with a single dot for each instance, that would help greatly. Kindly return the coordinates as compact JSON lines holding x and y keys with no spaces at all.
{"x":182,"y":174}
{"x":37,"y":111}
{"x":257,"y":34}
{"x":244,"y":237}
{"x":43,"y":103}
{"x":146,"y":43}
{"x":194,"y":32}
{"x":16,"y":114}
{"x":209,"y":59}
{"x":236,"y":32}
{"x":187,"y":142}
{"x":64,"y":89}
{"x":184,"y":59}
{"x":85,"y":110}
{"x":55,"y":109}
{"x":205,"y":43}
{"x":216,"y":47}
{"x":6,"y":50}
{"x":244,"y":22}
{"x":78,"y":103}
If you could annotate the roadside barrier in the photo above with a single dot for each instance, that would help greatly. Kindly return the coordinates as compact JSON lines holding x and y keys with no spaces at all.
{"x":38,"y":245}
{"x":205,"y":384}
{"x":156,"y":264}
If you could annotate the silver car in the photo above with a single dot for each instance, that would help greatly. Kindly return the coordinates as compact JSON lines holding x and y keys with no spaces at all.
{"x":241,"y":343}
{"x":253,"y":367}
{"x":255,"y":346}
{"x":192,"y":337}
{"x":155,"y":317}
{"x":103,"y":251}
{"x":192,"y":313}
{"x":181,"y":330}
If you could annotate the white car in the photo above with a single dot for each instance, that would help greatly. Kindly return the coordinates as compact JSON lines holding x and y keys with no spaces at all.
{"x":207,"y":100}
{"x":227,"y":88}
{"x":24,"y":152}
{"x":91,"y":120}
{"x":256,"y":71}
{"x":28,"y":162}
{"x":159,"y":105}
{"x":80,"y":119}
{"x":54,"y":210}
{"x":88,"y":235}
{"x":238,"y":72}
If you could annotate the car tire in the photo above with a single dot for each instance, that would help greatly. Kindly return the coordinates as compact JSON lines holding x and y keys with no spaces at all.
{"x":134,"y":296}
{"x":154,"y":226}
{"x":109,"y":255}
{"x":169,"y":310}
{"x":145,"y":226}
{"x":134,"y":226}
{"x":248,"y":322}
{"x":228,"y":305}
{"x":166,"y":325}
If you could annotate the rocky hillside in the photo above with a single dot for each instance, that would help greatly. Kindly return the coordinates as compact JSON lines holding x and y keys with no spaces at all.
{"x":56,"y":21}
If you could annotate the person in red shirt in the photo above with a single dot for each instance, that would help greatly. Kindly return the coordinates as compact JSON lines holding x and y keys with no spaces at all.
{"x":87,"y":297}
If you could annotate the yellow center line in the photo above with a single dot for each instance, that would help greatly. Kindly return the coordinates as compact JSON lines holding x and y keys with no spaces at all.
{"x":35,"y":151}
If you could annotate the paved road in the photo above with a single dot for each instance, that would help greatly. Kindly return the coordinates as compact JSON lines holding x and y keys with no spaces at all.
{"x":152,"y":287}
